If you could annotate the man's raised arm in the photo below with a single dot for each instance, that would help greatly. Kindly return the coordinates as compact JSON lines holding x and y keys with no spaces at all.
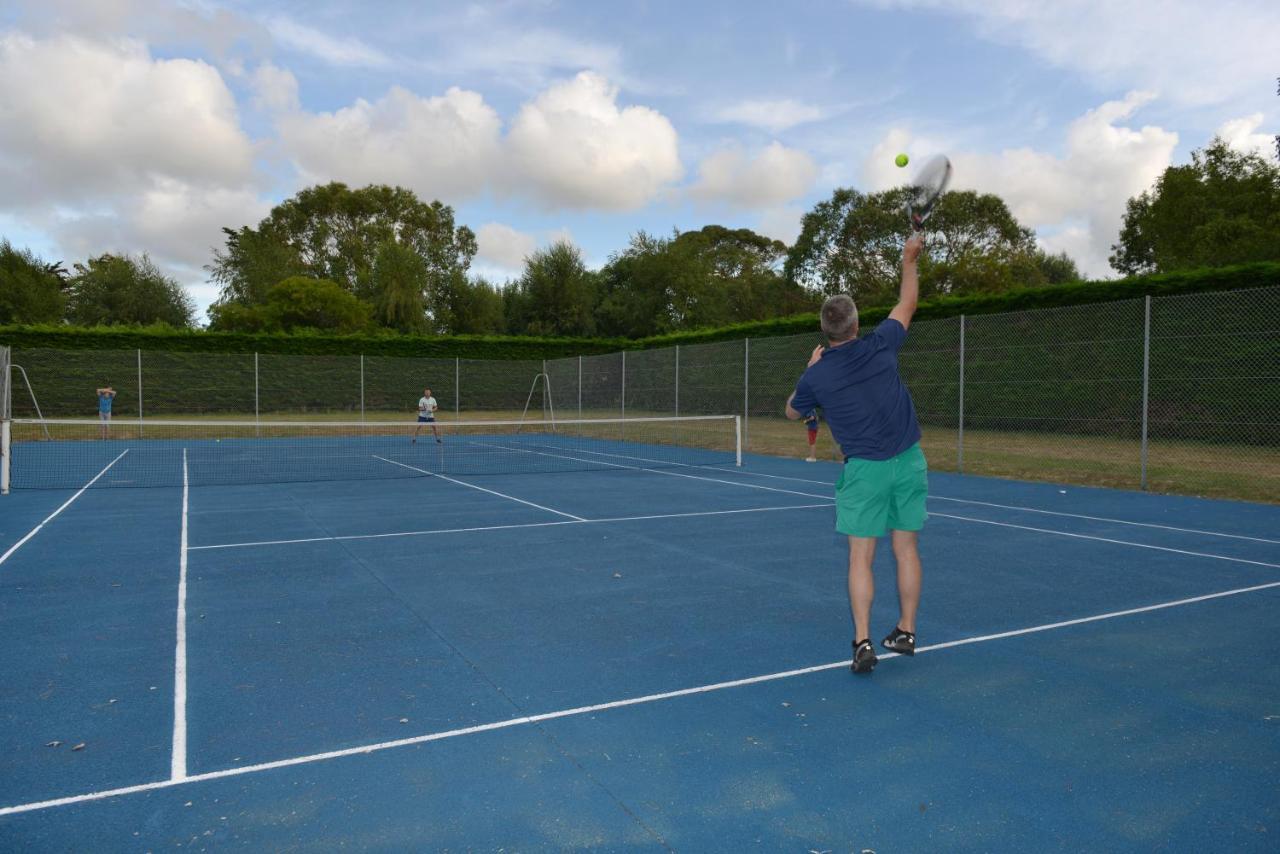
{"x":909,"y":294}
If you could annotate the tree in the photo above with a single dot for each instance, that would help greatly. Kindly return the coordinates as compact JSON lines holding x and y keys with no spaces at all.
{"x":748,"y":267}
{"x":31,"y":290}
{"x":1222,"y":208}
{"x":296,"y":303}
{"x":119,"y":289}
{"x":556,"y":294}
{"x":336,"y":233}
{"x":476,"y":308}
{"x":852,"y":243}
{"x":400,"y":278}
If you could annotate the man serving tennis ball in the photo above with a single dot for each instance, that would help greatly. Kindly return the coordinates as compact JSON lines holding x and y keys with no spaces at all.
{"x":885,"y":479}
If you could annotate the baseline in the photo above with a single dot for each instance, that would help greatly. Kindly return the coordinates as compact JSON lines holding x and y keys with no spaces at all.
{"x":614,"y":704}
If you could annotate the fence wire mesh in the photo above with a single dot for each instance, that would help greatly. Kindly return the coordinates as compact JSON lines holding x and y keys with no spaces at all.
{"x":1177,"y":393}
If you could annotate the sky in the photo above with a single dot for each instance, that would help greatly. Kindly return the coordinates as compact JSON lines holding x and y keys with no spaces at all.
{"x":148,"y":126}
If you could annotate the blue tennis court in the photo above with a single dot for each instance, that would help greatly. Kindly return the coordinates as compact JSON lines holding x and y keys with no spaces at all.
{"x":647,"y":655}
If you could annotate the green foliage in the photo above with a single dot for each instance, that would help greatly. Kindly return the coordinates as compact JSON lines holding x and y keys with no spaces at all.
{"x":336,"y":233}
{"x":30,"y":289}
{"x":400,"y":277}
{"x":529,"y":347}
{"x":118,"y":289}
{"x":297,"y":303}
{"x":1021,"y":299}
{"x":695,"y":279}
{"x":1222,"y":208}
{"x":475,"y":307}
{"x":555,"y":295}
{"x":852,"y":243}
{"x":301,"y":302}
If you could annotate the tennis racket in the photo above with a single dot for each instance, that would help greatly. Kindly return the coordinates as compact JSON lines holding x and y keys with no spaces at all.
{"x":929,"y":185}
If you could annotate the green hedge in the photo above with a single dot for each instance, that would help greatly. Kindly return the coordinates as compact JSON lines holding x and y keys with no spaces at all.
{"x":522,"y":347}
{"x":302,"y":343}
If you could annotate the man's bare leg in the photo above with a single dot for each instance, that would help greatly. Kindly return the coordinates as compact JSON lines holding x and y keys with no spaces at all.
{"x":907,"y":553}
{"x":862,"y":585}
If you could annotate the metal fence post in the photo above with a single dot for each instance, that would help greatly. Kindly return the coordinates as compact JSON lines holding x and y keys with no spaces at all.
{"x":677,"y":379}
{"x":545,"y":390}
{"x":139,"y":352}
{"x":746,"y":391}
{"x":362,"y":388}
{"x":1146,"y":380}
{"x":457,"y":386}
{"x":960,"y":422}
{"x":257,"y":429}
{"x":579,"y":387}
{"x":624,"y":383}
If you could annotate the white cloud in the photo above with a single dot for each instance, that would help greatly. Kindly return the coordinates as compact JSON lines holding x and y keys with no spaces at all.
{"x":1190,"y":51}
{"x":274,"y":88}
{"x":572,"y":146}
{"x":1241,"y":134}
{"x":341,"y":51}
{"x":771,"y":115}
{"x":771,"y":177}
{"x":782,"y":223}
{"x":442,"y":147}
{"x":79,"y":119}
{"x":503,"y":247}
{"x":1075,"y":200}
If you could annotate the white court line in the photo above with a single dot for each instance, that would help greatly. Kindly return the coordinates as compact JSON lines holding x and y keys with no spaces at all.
{"x":481,"y":488}
{"x":1108,"y":540}
{"x":657,"y":471}
{"x":600,"y":707}
{"x":747,"y":473}
{"x":1045,"y":512}
{"x":20,"y":543}
{"x":507,"y":527}
{"x":178,"y":766}
{"x":942,"y":515}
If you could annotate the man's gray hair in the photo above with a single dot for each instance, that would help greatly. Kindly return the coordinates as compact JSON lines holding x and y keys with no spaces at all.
{"x":839,"y":318}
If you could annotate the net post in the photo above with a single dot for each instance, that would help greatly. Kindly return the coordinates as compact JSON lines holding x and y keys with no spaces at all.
{"x":960,"y":420}
{"x":5,"y":455}
{"x":737,"y":440}
{"x":257,"y":429}
{"x":677,"y":380}
{"x":746,"y":386}
{"x":139,"y":352}
{"x":1146,"y":380}
{"x":6,"y":384}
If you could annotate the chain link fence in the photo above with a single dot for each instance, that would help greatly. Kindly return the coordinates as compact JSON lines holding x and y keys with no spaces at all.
{"x":1178,"y":394}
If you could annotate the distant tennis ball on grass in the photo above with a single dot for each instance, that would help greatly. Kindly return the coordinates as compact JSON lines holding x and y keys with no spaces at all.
{"x":901,"y":160}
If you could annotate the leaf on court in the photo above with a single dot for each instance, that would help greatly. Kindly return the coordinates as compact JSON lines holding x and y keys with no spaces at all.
{"x":54,"y":743}
{"x":79,"y":746}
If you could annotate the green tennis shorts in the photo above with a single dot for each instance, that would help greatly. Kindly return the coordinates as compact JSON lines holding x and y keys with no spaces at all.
{"x":877,"y":496}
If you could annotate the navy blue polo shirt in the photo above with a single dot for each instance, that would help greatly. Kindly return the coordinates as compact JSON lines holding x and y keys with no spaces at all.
{"x":866,"y":404}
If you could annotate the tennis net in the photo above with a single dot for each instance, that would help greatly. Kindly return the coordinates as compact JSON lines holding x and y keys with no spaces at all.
{"x":68,"y":454}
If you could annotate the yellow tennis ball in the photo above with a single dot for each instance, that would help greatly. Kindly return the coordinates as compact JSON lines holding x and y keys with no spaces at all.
{"x":901,"y":160}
